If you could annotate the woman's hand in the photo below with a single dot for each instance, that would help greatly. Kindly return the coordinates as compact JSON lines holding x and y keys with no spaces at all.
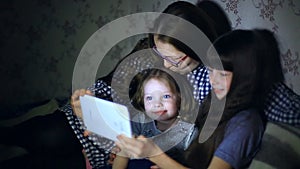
{"x":75,"y":102}
{"x":186,"y":66}
{"x":140,"y":147}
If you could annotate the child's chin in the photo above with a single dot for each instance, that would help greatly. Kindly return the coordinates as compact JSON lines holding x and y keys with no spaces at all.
{"x":220,"y":96}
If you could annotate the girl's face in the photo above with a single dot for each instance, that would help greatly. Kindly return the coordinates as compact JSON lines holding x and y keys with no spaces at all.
{"x":174,"y":59}
{"x":159,"y":101}
{"x":220,"y":81}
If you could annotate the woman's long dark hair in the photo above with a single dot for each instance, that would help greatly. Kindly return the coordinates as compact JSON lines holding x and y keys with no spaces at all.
{"x":217,"y":14}
{"x":196,"y":15}
{"x":254,"y":58}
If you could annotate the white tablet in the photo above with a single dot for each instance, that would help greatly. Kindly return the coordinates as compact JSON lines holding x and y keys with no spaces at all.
{"x":105,"y":118}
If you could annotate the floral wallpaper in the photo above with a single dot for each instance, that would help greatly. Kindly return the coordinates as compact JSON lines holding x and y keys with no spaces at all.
{"x":40,"y":40}
{"x":280,"y":16}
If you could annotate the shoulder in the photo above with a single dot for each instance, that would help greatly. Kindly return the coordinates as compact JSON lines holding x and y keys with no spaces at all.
{"x":200,"y":70}
{"x":247,"y":115}
{"x":246,"y":120}
{"x":102,"y":89}
{"x":245,"y":130}
{"x":199,"y":76}
{"x":242,"y":139}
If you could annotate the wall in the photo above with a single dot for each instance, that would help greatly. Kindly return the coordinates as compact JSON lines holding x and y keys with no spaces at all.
{"x":40,"y":40}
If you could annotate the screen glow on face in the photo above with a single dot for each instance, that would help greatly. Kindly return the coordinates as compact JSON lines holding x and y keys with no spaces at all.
{"x":220,"y":81}
{"x":159,"y":101}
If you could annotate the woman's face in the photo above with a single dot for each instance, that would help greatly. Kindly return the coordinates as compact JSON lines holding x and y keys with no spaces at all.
{"x":159,"y":101}
{"x":171,"y":55}
{"x":220,"y":81}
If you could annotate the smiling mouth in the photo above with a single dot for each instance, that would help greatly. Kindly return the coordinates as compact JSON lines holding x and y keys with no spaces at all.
{"x":160,"y":112}
{"x":218,"y":90}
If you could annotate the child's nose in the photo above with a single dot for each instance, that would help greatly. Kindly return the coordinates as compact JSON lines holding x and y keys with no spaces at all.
{"x":157,"y":103}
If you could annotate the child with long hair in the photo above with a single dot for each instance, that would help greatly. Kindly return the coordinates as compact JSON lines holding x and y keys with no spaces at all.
{"x":158,"y":98}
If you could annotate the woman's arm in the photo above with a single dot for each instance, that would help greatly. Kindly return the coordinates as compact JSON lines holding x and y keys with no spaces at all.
{"x":120,"y":162}
{"x":142,"y":147}
{"x":163,"y":161}
{"x":218,"y":163}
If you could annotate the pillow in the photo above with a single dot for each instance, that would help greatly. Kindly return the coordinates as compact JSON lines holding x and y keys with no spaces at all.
{"x":280,"y":148}
{"x":46,"y":108}
{"x":8,"y":152}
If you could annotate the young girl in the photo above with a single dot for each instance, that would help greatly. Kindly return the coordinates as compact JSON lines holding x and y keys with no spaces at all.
{"x":241,"y":82}
{"x":158,"y":98}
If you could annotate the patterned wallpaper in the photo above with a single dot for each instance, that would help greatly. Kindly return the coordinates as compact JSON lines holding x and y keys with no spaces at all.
{"x":41,"y":39}
{"x":280,"y":16}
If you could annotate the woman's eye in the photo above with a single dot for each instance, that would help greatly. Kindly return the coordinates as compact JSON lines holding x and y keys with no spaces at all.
{"x":224,"y":74}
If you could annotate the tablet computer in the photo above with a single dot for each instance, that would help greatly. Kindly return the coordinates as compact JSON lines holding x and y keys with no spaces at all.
{"x":105,"y":118}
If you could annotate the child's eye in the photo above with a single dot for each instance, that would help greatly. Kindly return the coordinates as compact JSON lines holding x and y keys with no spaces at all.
{"x":167,"y":96}
{"x":148,"y":98}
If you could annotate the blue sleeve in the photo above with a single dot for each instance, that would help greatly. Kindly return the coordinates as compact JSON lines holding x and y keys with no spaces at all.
{"x":242,"y":139}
